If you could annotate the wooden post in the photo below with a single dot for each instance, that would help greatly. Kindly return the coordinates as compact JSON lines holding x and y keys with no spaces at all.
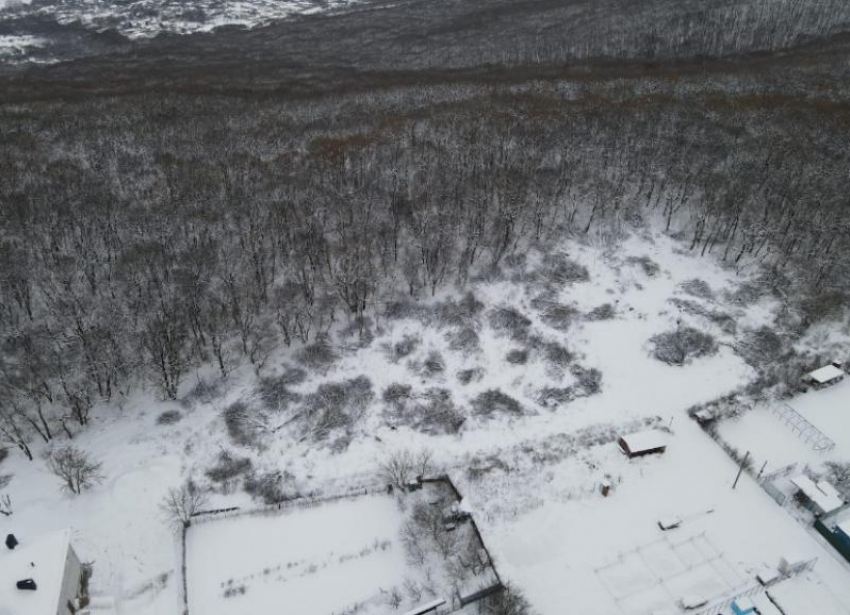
{"x":764,"y":465}
{"x":741,"y":469}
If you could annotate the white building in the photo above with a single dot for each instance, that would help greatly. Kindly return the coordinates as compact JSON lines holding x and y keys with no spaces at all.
{"x":825,"y":376}
{"x":51,"y":570}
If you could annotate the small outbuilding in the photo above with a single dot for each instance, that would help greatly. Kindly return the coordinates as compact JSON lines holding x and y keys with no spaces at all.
{"x":42,"y":576}
{"x":743,"y":606}
{"x":820,"y":497}
{"x":825,"y":376}
{"x":643,"y":443}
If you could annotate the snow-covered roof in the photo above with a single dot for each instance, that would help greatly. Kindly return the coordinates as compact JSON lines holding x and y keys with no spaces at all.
{"x":645,"y":440}
{"x":826,"y":374}
{"x":41,"y":559}
{"x":428,"y":606}
{"x":822,"y":493}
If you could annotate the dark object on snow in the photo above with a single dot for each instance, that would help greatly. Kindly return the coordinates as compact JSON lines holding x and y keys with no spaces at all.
{"x":27,"y":584}
{"x":11,"y":542}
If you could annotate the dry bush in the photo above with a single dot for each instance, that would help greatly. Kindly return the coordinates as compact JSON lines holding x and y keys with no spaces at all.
{"x":268,"y":487}
{"x":75,"y":468}
{"x":320,"y":355}
{"x":246,"y":425}
{"x":561,"y":270}
{"x":465,"y":340}
{"x":275,"y":393}
{"x":494,"y":402}
{"x":397,"y":393}
{"x":558,"y":316}
{"x":649,"y":266}
{"x":517,"y":356}
{"x":169,"y":417}
{"x":404,"y":348}
{"x":681,"y":345}
{"x":697,"y":288}
{"x":228,"y":469}
{"x":555,"y":396}
{"x":509,"y":321}
{"x":588,"y":380}
{"x":433,"y":364}
{"x":337,"y":405}
{"x":463,"y":313}
{"x":762,"y":346}
{"x":465,"y":376}
{"x":509,"y":601}
{"x":204,"y":392}
{"x":606,"y":311}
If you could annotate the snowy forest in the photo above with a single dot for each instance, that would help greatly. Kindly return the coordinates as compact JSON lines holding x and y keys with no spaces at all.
{"x":147,"y":231}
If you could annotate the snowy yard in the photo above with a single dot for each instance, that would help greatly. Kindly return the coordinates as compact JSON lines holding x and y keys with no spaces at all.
{"x":314,"y":561}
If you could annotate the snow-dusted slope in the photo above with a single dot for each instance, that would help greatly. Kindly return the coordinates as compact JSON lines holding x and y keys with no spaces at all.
{"x":31,"y":25}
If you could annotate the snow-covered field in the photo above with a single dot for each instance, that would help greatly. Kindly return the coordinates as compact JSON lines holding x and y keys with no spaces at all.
{"x":323,"y":559}
{"x":532,"y":476}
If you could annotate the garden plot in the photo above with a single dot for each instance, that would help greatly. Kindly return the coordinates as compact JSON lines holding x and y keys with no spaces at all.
{"x":770,"y":439}
{"x":314,"y":561}
{"x":656,"y":576}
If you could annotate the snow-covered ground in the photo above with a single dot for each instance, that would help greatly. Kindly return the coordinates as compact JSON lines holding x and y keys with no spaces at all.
{"x":323,"y":559}
{"x":532,"y":477}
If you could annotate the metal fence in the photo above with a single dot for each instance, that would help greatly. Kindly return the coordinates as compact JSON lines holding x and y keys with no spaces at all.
{"x":808,"y":433}
{"x":757,"y":588}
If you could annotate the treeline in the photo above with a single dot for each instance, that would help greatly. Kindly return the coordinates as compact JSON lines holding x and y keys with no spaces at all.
{"x":143,"y":236}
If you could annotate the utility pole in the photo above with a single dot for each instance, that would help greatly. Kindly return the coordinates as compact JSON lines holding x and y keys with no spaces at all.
{"x":741,"y":469}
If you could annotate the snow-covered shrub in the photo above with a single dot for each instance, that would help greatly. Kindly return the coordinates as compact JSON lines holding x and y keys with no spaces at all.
{"x":399,"y":310}
{"x":508,"y":321}
{"x":463,"y":313}
{"x":761,"y":346}
{"x":336,"y":405}
{"x":397,"y":393}
{"x":465,"y":376}
{"x":555,"y":354}
{"x":649,"y":266}
{"x":75,"y":468}
{"x":227,"y":470}
{"x":838,"y":473}
{"x":437,"y":414}
{"x":403,"y":348}
{"x":317,"y":356}
{"x":268,"y":487}
{"x":679,"y":346}
{"x":588,"y":380}
{"x":824,"y":305}
{"x":554,"y":396}
{"x":169,"y":417}
{"x":697,"y":288}
{"x":245,"y":424}
{"x":275,"y":393}
{"x":517,"y":356}
{"x":721,"y":319}
{"x":464,"y":341}
{"x":509,"y":601}
{"x":433,"y":364}
{"x":362,"y":328}
{"x":606,"y":311}
{"x":434,"y":412}
{"x":561,"y":270}
{"x":559,"y":316}
{"x":494,"y":402}
{"x":204,"y":392}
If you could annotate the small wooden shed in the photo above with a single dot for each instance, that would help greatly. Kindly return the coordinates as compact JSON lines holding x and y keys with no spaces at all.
{"x":643,"y":443}
{"x":825,"y":376}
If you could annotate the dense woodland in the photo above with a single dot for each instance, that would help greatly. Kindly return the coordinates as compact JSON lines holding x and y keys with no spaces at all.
{"x":148,"y":229}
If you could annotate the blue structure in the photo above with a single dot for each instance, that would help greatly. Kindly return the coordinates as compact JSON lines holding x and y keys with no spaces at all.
{"x":743,"y":606}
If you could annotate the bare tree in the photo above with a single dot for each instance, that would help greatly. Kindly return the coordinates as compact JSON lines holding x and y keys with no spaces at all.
{"x":75,"y":467}
{"x":403,"y":466}
{"x":181,"y":503}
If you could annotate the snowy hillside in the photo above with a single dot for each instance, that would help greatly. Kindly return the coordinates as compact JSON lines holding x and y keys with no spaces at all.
{"x":513,"y":419}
